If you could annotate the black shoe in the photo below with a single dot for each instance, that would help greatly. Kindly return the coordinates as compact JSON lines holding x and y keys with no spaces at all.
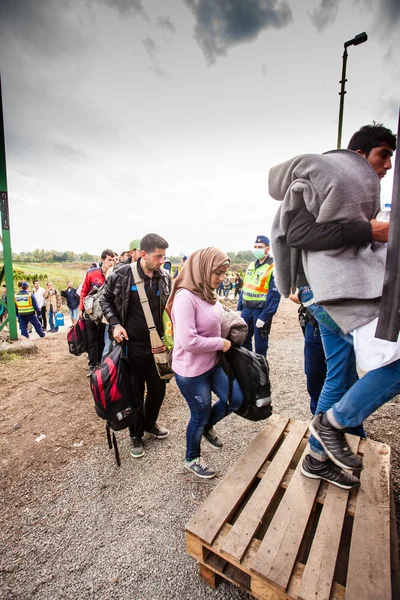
{"x":334,"y":443}
{"x":91,"y":370}
{"x":327,"y":470}
{"x":136,"y":449}
{"x":158,"y":432}
{"x":212,"y":438}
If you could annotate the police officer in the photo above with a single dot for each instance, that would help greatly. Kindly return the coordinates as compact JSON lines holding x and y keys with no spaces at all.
{"x":28,"y":308}
{"x":259,"y":299}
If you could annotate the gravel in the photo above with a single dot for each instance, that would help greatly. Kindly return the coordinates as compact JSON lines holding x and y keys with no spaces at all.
{"x":93,"y":530}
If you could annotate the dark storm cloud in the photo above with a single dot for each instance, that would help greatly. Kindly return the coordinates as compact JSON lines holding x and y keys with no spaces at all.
{"x":126,"y":8}
{"x":325,"y":14}
{"x":165,"y":23}
{"x":222,"y":24}
{"x":40,"y":28}
{"x":387,"y":13}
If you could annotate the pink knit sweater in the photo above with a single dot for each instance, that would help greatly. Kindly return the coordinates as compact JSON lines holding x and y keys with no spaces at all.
{"x":197,"y":334}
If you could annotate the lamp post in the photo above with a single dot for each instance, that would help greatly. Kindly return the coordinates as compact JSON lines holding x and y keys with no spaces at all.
{"x":358,"y":39}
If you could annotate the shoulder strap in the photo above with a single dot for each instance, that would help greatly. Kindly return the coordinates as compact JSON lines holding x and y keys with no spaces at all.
{"x":143,"y":297}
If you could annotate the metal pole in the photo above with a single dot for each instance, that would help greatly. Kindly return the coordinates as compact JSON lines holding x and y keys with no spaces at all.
{"x":341,"y":94}
{"x":5,"y":227}
{"x":389,"y":316}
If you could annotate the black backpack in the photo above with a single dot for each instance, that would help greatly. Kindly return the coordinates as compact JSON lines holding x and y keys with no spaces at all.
{"x":252,"y":374}
{"x":77,"y":338}
{"x":113,"y":389}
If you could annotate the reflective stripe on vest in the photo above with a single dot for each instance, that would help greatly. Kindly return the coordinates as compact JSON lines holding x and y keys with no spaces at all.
{"x":24,"y":303}
{"x":256,"y":282}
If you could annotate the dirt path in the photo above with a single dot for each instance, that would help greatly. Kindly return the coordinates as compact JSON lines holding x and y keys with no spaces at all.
{"x":76,"y":526}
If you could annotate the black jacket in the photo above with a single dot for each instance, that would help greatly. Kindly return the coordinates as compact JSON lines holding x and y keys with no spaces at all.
{"x":114,"y":301}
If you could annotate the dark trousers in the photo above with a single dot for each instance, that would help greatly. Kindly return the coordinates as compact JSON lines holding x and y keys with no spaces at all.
{"x":251,"y":315}
{"x":314,"y":363}
{"x":145,"y":372}
{"x":44,"y":317}
{"x":95,"y":334}
{"x":23,"y":324}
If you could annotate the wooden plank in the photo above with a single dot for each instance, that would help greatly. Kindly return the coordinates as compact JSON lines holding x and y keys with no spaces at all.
{"x":394,"y":550}
{"x":278,"y":550}
{"x":237,"y":541}
{"x":224,"y":499}
{"x":369,"y":560}
{"x":208,"y":576}
{"x":317,"y":580}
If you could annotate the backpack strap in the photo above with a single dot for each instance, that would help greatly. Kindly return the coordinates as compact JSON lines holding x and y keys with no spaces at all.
{"x":156,"y":342}
{"x":228,"y":370}
{"x":113,"y":443}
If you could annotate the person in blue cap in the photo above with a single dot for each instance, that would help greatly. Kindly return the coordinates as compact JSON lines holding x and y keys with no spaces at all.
{"x":259,"y":298}
{"x":179,"y":269}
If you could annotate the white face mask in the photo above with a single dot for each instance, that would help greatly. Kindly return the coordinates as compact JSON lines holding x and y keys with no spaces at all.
{"x":259,"y":253}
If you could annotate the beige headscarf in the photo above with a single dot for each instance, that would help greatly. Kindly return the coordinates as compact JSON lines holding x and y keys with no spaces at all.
{"x":195,"y":276}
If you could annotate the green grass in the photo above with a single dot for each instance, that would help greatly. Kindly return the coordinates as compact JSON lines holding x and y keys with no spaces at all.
{"x":57,"y":273}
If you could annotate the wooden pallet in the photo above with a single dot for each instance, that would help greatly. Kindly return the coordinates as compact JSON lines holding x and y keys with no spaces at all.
{"x":279,"y":535}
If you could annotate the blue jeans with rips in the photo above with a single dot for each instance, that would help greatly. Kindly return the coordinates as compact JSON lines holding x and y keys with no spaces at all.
{"x":197,"y":393}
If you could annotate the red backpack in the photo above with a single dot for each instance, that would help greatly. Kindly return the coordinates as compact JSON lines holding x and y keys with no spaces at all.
{"x":77,"y":338}
{"x":113,"y":389}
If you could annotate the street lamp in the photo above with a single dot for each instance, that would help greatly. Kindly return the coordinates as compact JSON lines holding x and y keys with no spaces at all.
{"x":358,"y":39}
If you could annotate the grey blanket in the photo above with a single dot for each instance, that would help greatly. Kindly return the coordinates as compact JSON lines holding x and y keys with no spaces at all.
{"x":337,"y":186}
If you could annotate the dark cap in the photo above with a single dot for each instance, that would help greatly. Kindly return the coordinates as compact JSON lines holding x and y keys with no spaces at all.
{"x":25,"y":285}
{"x":262,"y":239}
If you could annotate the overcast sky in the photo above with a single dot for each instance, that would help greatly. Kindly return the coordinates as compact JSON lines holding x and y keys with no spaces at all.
{"x":124,"y":117}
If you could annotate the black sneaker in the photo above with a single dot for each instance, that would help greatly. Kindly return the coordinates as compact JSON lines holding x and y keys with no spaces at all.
{"x":327,"y":470}
{"x":199,"y":468}
{"x":136,"y":450}
{"x":212,"y":438}
{"x":334,"y":443}
{"x":91,"y":370}
{"x":158,"y":432}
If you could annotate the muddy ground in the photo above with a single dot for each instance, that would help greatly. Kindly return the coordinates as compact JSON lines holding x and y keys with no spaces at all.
{"x":54,"y":460}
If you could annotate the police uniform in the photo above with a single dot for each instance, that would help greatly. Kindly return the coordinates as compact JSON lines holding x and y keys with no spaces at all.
{"x":259,"y":300}
{"x":28,"y":308}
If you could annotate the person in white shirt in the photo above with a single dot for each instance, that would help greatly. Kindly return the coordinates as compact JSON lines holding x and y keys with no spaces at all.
{"x":38,"y":293}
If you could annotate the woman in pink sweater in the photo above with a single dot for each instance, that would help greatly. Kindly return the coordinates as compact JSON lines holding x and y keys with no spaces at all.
{"x":196,"y":316}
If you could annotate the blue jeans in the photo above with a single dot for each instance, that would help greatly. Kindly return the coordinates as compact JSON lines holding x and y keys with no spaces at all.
{"x":51,"y":320}
{"x":108,"y":344}
{"x":197,"y":393}
{"x":314,"y":364}
{"x":73,"y":313}
{"x":367,"y":394}
{"x":340,"y":377}
{"x":250,"y":315}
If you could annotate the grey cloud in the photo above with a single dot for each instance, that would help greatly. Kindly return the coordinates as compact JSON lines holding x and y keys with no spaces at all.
{"x":264,"y":70}
{"x":325,"y":14}
{"x":126,"y":8}
{"x":222,"y":24}
{"x":150,"y":46}
{"x":387,"y":13}
{"x":158,"y":71}
{"x":68,"y":152}
{"x":165,"y":23}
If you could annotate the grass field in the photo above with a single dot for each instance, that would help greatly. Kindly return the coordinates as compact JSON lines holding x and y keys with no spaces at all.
{"x":57,"y":273}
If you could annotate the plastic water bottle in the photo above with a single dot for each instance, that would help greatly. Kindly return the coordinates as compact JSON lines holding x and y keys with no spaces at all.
{"x":384,"y":214}
{"x":263,"y":402}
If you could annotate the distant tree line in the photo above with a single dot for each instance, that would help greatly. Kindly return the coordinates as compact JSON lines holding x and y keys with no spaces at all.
{"x":52,"y":256}
{"x":56,"y":256}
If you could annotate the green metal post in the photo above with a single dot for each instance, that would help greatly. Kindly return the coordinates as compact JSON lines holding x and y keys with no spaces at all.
{"x":5,"y":229}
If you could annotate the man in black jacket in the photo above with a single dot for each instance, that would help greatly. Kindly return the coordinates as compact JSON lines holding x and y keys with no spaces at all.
{"x":123,"y":310}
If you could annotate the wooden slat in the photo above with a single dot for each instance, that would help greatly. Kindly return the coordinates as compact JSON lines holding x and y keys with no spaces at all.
{"x":242,"y":532}
{"x":318,"y":573}
{"x":224,"y":499}
{"x":278,"y":550}
{"x":369,"y":561}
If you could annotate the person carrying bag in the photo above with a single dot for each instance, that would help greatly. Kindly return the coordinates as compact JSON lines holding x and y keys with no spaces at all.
{"x":158,"y":348}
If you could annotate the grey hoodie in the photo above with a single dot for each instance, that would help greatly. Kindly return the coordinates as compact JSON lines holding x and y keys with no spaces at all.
{"x":337,"y":186}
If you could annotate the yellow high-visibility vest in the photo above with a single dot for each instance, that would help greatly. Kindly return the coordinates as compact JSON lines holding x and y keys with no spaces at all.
{"x":256,"y":284}
{"x":24,"y":303}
